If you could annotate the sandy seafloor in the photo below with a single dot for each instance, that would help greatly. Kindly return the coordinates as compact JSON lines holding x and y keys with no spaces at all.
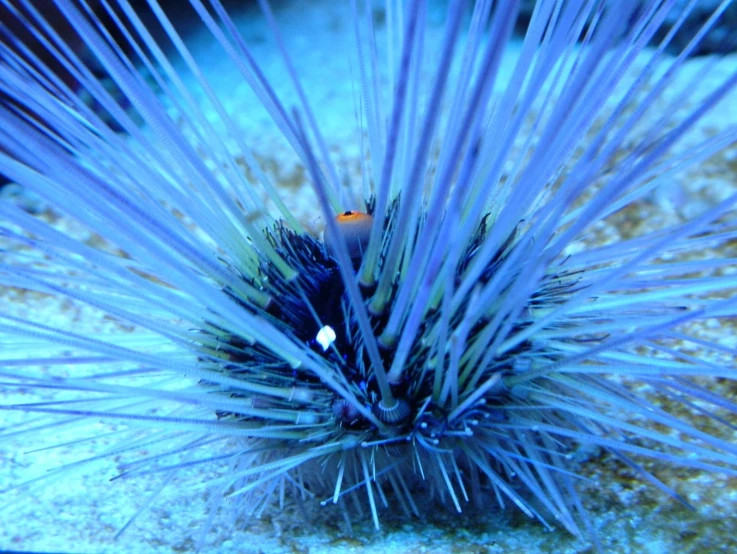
{"x":83,"y":513}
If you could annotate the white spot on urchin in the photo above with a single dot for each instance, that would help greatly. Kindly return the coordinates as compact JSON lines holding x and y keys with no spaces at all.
{"x":574,"y":247}
{"x":325,"y":337}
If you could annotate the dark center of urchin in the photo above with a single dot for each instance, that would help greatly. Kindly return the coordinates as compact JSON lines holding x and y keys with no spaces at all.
{"x":317,"y":299}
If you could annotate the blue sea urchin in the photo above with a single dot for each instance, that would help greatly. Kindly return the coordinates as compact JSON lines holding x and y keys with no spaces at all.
{"x":462,"y":342}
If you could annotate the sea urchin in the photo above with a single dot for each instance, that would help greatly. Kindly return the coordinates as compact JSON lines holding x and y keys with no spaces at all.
{"x":461,"y":332}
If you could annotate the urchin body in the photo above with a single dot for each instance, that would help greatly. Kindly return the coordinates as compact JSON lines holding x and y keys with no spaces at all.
{"x":421,"y":442}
